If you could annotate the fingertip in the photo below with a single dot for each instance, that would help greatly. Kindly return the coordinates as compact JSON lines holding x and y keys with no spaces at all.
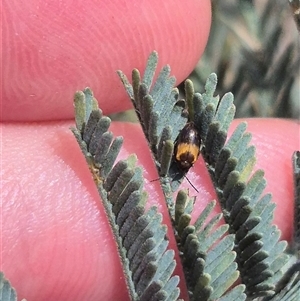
{"x":51,"y":51}
{"x":61,"y":210}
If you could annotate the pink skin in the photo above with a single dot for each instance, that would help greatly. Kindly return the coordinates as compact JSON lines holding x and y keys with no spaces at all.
{"x":53,"y":48}
{"x":56,"y":241}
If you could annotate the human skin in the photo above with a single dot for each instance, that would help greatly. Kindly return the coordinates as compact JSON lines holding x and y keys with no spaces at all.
{"x":56,"y":242}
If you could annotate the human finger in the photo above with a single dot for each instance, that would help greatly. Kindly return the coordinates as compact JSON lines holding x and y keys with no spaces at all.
{"x":53,"y":48}
{"x":58,"y":243}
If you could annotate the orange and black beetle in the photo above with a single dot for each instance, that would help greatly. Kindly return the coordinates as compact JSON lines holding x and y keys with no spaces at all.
{"x":187,"y":147}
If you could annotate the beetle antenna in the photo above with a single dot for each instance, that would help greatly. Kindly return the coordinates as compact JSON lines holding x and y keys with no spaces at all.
{"x":191,"y":184}
{"x":175,"y":175}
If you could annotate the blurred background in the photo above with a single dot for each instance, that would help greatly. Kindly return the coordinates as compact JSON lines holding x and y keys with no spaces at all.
{"x":254,"y":48}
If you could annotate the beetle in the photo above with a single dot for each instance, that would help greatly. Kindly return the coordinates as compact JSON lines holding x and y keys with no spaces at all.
{"x":187,"y":147}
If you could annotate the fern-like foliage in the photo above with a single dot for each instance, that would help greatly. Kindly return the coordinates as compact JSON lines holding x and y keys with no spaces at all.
{"x":7,"y":292}
{"x":139,"y":234}
{"x":168,"y":116}
{"x":249,"y":214}
{"x":288,"y":288}
{"x":258,"y":254}
{"x":207,"y":254}
{"x":162,"y":117}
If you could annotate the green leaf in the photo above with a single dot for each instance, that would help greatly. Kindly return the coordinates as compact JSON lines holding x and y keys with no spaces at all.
{"x":7,"y":292}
